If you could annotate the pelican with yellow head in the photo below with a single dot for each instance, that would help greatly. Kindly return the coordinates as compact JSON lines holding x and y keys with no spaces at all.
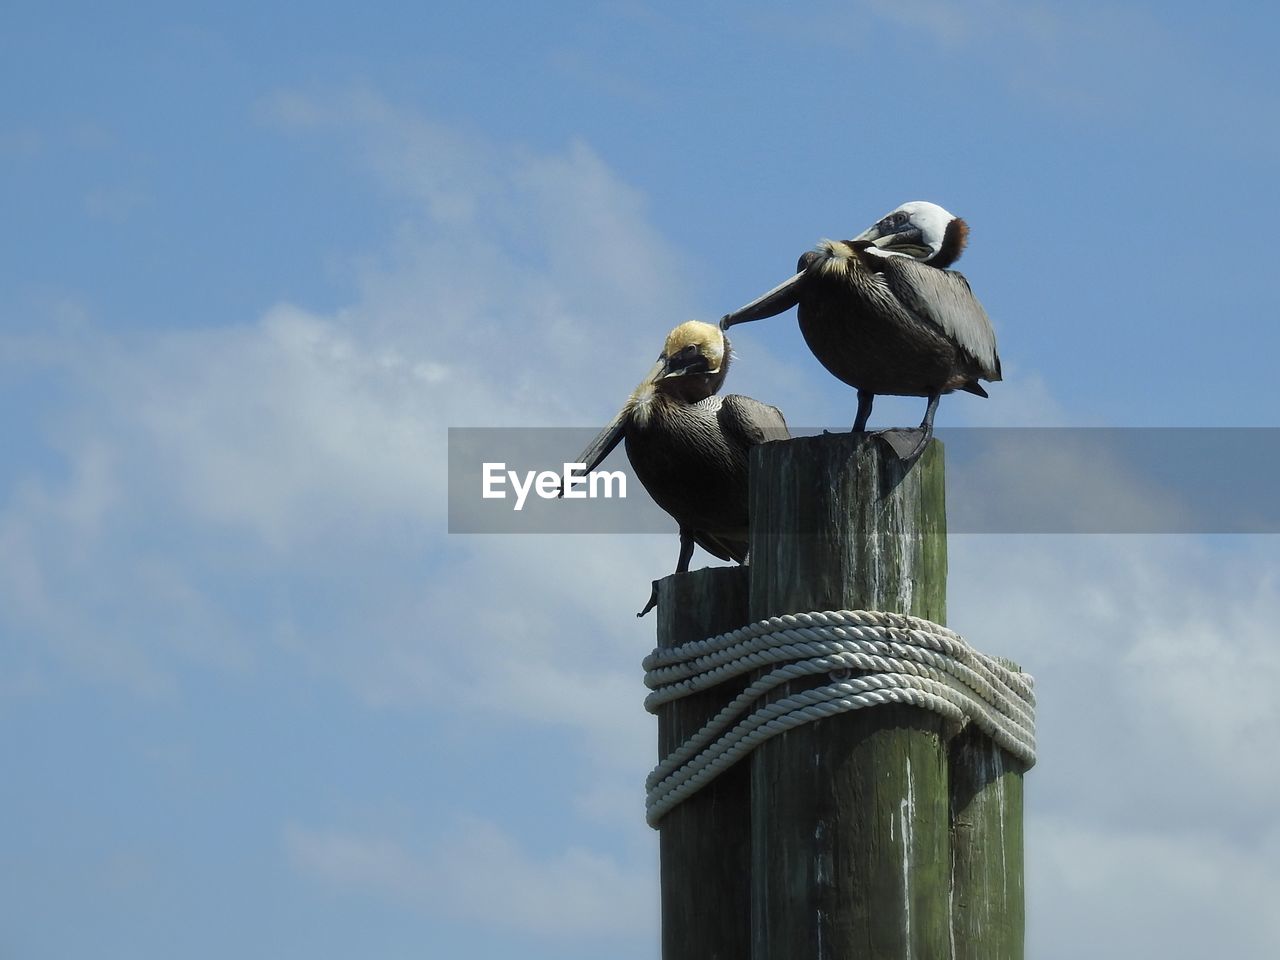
{"x":688,"y":445}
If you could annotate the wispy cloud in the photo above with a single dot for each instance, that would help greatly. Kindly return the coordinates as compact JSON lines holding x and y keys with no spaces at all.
{"x":570,"y":895}
{"x":1151,"y":827}
{"x":1090,"y":60}
{"x":1184,"y":893}
{"x":296,"y":461}
{"x":277,"y":483}
{"x":1166,"y":639}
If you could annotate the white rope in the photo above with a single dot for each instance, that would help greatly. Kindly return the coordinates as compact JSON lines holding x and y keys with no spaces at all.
{"x":899,"y":659}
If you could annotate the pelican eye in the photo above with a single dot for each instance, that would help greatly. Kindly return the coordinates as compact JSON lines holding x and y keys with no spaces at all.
{"x":689,"y":355}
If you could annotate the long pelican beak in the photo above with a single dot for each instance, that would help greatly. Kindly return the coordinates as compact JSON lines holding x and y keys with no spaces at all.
{"x":688,"y":361}
{"x":660,"y":369}
{"x":904,"y":242}
{"x":603,"y":444}
{"x":782,"y":297}
{"x":609,"y":437}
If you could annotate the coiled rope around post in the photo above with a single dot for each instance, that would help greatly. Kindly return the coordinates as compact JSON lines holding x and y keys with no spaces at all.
{"x":897,"y":659}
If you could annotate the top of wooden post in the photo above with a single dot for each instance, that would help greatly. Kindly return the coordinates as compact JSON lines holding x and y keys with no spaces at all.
{"x":840,"y":522}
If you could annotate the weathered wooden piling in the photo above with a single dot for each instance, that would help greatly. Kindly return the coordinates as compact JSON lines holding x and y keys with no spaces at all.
{"x":987,"y":900}
{"x":877,"y":833}
{"x":850,"y":814}
{"x":705,"y":841}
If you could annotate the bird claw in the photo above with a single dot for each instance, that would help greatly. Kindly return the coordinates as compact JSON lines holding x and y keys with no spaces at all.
{"x":653,"y":600}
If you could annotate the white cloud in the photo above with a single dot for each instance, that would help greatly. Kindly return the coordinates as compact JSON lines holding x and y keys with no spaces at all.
{"x":478,"y":868}
{"x":277,"y":484}
{"x":1151,"y":819}
{"x":1155,"y":660}
{"x":532,"y":629}
{"x":289,"y":426}
{"x":946,"y":22}
{"x":297,"y":461}
{"x":69,"y":593}
{"x":1184,"y":895}
{"x":511,"y":255}
{"x":1023,"y":399}
{"x":210,"y":469}
{"x":540,"y":305}
{"x":1093,"y":61}
{"x":1040,"y":45}
{"x":1059,"y":481}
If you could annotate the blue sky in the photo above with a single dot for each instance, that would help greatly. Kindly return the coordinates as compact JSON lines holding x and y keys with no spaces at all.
{"x":255,"y":701}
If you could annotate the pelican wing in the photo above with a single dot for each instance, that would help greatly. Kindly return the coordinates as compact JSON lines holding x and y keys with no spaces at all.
{"x":719,"y":546}
{"x":943,"y":297}
{"x":746,"y":422}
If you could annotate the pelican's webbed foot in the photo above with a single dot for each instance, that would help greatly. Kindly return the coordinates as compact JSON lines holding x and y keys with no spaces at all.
{"x":906,"y":444}
{"x":909,"y":444}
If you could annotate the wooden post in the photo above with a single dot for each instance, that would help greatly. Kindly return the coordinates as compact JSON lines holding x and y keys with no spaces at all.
{"x":872,"y":834}
{"x":850,"y":829}
{"x":705,"y":841}
{"x":987,"y":912}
